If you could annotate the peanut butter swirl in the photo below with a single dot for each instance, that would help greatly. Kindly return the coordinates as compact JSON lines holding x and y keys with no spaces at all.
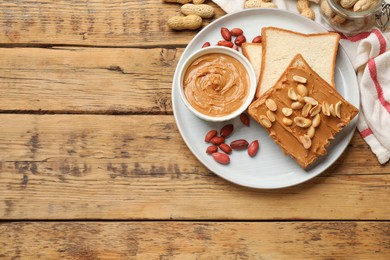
{"x":216,"y":84}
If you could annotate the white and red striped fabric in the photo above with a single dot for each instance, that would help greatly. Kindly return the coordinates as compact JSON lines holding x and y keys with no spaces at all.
{"x":369,"y":53}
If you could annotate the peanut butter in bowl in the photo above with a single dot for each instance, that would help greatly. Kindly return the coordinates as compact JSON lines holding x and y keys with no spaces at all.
{"x":217,"y":83}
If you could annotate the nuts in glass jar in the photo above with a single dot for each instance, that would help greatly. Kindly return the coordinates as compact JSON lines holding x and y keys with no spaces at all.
{"x":350,"y":16}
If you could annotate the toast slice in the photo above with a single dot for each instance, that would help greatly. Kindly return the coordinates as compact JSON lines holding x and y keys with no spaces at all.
{"x":280,"y":46}
{"x":304,"y":131}
{"x":253,"y":52}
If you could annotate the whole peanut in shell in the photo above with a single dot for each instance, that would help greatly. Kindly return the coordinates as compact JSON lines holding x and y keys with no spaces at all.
{"x":347,"y":3}
{"x":189,"y":22}
{"x":203,"y":10}
{"x":304,"y":9}
{"x":363,"y":5}
{"x":258,"y":4}
{"x":178,"y":1}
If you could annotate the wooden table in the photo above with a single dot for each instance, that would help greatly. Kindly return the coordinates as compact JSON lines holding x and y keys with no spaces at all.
{"x":94,"y":167}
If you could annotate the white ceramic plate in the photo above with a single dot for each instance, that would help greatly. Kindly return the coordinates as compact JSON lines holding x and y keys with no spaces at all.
{"x":270,"y":168}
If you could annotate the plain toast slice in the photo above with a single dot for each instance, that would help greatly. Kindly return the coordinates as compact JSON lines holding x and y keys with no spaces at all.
{"x":280,"y":46}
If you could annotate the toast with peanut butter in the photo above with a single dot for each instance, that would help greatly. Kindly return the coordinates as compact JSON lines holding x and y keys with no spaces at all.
{"x":302,"y":112}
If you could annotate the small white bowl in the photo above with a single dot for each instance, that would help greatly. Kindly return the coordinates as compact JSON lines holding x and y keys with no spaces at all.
{"x":234,"y":54}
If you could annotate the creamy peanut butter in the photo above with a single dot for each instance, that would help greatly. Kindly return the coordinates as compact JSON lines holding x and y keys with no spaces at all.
{"x":290,"y":130}
{"x":216,"y":84}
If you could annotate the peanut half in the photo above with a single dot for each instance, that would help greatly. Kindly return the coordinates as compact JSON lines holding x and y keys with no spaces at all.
{"x":337,"y":109}
{"x":299,"y":79}
{"x":265,"y":121}
{"x":296,"y":105}
{"x":302,"y":90}
{"x":311,"y":101}
{"x":315,"y":110}
{"x":306,"y":109}
{"x":316,"y":120}
{"x":302,"y":122}
{"x":270,"y":115}
{"x":287,"y":121}
{"x":306,"y":141}
{"x":325,"y":108}
{"x":270,"y":103}
{"x":311,"y":131}
{"x":331,"y":110}
{"x":287,"y":111}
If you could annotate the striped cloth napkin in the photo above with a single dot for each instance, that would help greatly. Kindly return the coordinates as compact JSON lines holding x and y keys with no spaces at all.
{"x":369,"y":53}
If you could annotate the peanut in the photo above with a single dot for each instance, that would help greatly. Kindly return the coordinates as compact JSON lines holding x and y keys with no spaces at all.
{"x":245,"y":119}
{"x":287,"y":121}
{"x":189,"y":22}
{"x":347,"y":3}
{"x":311,"y":101}
{"x":240,"y":40}
{"x":226,"y":130}
{"x":210,"y":134}
{"x":226,"y":148}
{"x":225,"y":44}
{"x":311,"y":131}
{"x":308,"y":13}
{"x":337,"y":19}
{"x":206,"y":44}
{"x":363,"y":5}
{"x":292,"y":94}
{"x":271,"y":105}
{"x":253,"y":148}
{"x":202,"y":10}
{"x":236,"y":32}
{"x":178,"y":1}
{"x":221,"y":158}
{"x":325,"y":108}
{"x":212,"y":149}
{"x":198,"y":2}
{"x":258,"y":4}
{"x":257,"y":39}
{"x":325,"y":8}
{"x":271,"y":116}
{"x":306,"y":141}
{"x":240,"y":144}
{"x":296,"y":105}
{"x":331,"y":110}
{"x":226,"y":34}
{"x":217,"y":140}
{"x":304,"y":9}
{"x":301,"y":122}
{"x":316,"y":121}
{"x":306,"y":109}
{"x":302,"y":90}
{"x":299,"y":79}
{"x":337,"y":109}
{"x":264,"y":121}
{"x":287,"y":111}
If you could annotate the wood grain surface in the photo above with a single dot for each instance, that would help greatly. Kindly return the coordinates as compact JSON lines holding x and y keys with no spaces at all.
{"x":131,"y":167}
{"x":198,"y":240}
{"x":87,"y":80}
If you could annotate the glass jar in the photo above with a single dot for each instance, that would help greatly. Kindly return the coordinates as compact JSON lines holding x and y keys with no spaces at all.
{"x":351,"y":22}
